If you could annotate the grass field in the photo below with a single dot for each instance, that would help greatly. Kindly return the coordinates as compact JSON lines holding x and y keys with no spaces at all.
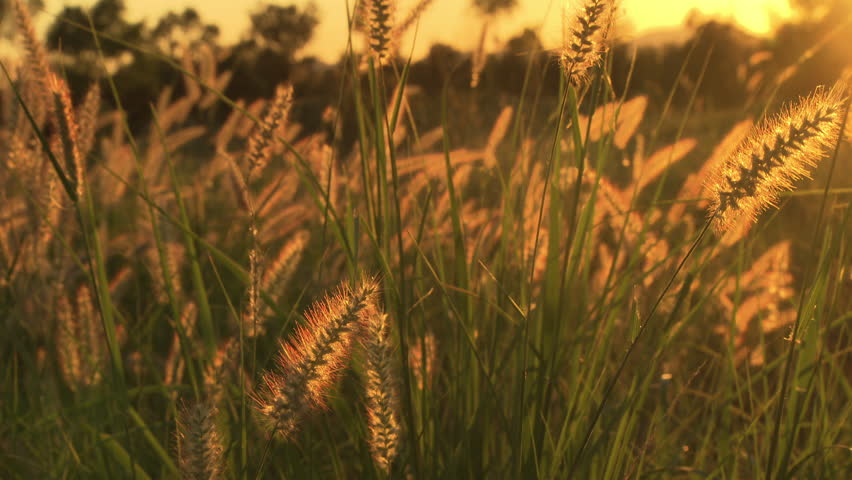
{"x":609,"y":294}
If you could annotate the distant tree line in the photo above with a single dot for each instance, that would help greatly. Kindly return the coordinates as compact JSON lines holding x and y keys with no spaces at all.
{"x":722,"y":66}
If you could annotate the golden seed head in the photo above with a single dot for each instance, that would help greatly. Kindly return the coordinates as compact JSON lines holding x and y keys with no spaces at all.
{"x":223,"y":370}
{"x":200,"y":448}
{"x":281,"y":269}
{"x":378,"y":15}
{"x":79,"y":340}
{"x":36,"y":54}
{"x":260,"y":142}
{"x":66,"y":120}
{"x":777,"y":153}
{"x":87,"y":114}
{"x":381,"y":385}
{"x":310,"y":362}
{"x":585,"y":33}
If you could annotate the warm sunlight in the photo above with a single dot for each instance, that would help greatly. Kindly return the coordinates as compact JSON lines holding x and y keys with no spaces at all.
{"x":757,"y":16}
{"x":464,"y":239}
{"x":455,"y":22}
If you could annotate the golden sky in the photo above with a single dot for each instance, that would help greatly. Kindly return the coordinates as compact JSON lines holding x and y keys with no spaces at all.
{"x":457,"y":23}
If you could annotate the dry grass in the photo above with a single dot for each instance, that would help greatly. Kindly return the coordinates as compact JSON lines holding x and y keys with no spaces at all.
{"x":516,"y":270}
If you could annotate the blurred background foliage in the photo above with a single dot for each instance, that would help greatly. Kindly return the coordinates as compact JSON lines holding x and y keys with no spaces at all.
{"x":725,"y":67}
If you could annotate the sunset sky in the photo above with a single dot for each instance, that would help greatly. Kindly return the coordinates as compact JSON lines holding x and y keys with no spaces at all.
{"x":456,"y":21}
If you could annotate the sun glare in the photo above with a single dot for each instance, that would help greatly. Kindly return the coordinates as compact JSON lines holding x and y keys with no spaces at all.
{"x":450,"y":21}
{"x":757,"y":16}
{"x":425,"y":238}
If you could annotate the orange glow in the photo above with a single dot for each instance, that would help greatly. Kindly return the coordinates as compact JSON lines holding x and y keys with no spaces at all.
{"x":456,"y":22}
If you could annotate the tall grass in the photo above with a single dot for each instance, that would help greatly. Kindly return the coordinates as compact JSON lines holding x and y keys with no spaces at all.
{"x":546,"y":300}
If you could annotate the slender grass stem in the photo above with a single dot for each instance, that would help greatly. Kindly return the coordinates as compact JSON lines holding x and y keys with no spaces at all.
{"x":607,"y":393}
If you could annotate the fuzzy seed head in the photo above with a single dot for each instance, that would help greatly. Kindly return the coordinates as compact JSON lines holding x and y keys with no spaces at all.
{"x":381,"y":388}
{"x":260,"y":142}
{"x":79,"y":340}
{"x":166,"y":266}
{"x":223,"y":370}
{"x":281,"y":269}
{"x":36,"y":53}
{"x":585,"y":33}
{"x":379,"y":19}
{"x":88,"y":116}
{"x":777,"y":153}
{"x":200,"y":443}
{"x":66,"y":119}
{"x":311,"y":360}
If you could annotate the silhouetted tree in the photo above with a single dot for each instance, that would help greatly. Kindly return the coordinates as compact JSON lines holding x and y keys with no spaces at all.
{"x":69,"y":32}
{"x":490,"y":7}
{"x":80,"y":59}
{"x":283,"y":29}
{"x":432,"y":71}
{"x":267,"y":54}
{"x":266,"y":57}
{"x":508,"y":70}
{"x":176,"y":32}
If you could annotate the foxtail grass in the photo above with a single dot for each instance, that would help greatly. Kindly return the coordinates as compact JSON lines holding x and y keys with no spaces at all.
{"x":780,"y":151}
{"x":309,"y":363}
{"x":530,"y":380}
{"x":381,"y":386}
{"x":378,"y":15}
{"x":200,"y":445}
{"x":69,"y":131}
{"x":278,"y":274}
{"x":260,"y":142}
{"x":37,"y":66}
{"x":585,"y":34}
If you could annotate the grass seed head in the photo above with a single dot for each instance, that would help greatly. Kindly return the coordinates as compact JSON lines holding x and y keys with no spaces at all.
{"x":200,"y":449}
{"x":381,"y":385}
{"x":87,"y":114}
{"x":378,"y":15}
{"x":223,"y":370}
{"x":260,"y":142}
{"x":79,"y":340}
{"x":311,"y":361}
{"x":38,"y":65}
{"x":66,"y":119}
{"x":281,"y":269}
{"x":777,"y":153}
{"x":585,"y":33}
